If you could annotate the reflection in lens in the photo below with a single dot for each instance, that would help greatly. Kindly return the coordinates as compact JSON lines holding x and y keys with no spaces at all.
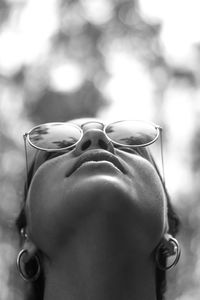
{"x":65,"y":143}
{"x":132,"y":133}
{"x":54,"y":136}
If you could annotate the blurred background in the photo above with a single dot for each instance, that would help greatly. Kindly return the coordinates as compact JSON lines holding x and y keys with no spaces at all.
{"x":115,"y":59}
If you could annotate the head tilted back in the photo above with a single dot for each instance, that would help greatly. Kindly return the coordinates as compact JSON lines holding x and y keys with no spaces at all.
{"x":41,"y":157}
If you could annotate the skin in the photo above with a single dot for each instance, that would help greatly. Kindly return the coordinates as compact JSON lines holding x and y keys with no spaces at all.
{"x":97,"y":228}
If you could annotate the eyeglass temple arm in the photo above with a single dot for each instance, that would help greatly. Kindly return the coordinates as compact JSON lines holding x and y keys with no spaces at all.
{"x":161,"y":150}
{"x":26,"y":158}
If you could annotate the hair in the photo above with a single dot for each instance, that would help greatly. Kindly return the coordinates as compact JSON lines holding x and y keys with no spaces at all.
{"x":36,"y":289}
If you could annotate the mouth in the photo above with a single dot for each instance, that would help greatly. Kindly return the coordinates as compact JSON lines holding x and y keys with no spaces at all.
{"x":97,"y":156}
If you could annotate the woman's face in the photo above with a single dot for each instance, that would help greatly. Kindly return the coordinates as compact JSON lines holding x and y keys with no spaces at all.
{"x":95,"y":186}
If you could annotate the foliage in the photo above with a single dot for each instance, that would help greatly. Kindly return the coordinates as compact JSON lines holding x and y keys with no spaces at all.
{"x":66,"y":79}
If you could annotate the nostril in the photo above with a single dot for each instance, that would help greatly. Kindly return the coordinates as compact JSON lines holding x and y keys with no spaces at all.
{"x":103,"y":144}
{"x":86,"y":145}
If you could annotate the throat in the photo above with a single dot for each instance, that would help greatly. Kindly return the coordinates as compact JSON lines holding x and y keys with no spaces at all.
{"x":101,"y":261}
{"x":85,"y":277}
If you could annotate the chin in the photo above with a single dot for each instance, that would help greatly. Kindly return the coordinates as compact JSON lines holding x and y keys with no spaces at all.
{"x":99,"y":187}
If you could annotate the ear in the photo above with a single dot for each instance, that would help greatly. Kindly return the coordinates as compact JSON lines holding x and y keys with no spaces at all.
{"x":28,"y":245}
{"x":169,"y":250}
{"x":28,"y":262}
{"x":169,"y":243}
{"x":31,"y":249}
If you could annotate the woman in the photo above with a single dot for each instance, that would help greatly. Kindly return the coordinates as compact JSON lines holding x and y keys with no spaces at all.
{"x":97,"y":222}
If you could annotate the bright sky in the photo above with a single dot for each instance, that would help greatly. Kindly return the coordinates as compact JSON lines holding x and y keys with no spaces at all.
{"x":130,"y":88}
{"x":181,"y":23}
{"x":27,"y":35}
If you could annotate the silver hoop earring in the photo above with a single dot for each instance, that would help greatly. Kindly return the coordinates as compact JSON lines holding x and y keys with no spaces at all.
{"x":170,"y":249}
{"x":28,"y":275}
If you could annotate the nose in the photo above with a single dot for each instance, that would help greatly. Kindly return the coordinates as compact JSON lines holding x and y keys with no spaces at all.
{"x":94,"y":139}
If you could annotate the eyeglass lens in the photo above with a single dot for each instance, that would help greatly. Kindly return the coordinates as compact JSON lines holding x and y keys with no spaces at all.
{"x":54,"y":136}
{"x":133,"y":133}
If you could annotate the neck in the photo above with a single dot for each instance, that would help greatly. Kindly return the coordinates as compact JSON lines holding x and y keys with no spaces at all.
{"x":100,"y":265}
{"x":83,"y":275}
{"x":111,"y":282}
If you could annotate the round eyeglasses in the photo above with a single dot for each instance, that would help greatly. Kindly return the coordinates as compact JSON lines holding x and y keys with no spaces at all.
{"x":62,"y":136}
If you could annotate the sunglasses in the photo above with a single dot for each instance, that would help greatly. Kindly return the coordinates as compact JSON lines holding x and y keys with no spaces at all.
{"x":52,"y":137}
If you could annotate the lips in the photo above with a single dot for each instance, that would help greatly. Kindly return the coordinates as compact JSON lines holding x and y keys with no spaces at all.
{"x":97,"y":155}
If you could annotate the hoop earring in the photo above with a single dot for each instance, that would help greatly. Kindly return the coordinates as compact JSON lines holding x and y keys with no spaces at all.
{"x":171,"y":248}
{"x":28,"y":276}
